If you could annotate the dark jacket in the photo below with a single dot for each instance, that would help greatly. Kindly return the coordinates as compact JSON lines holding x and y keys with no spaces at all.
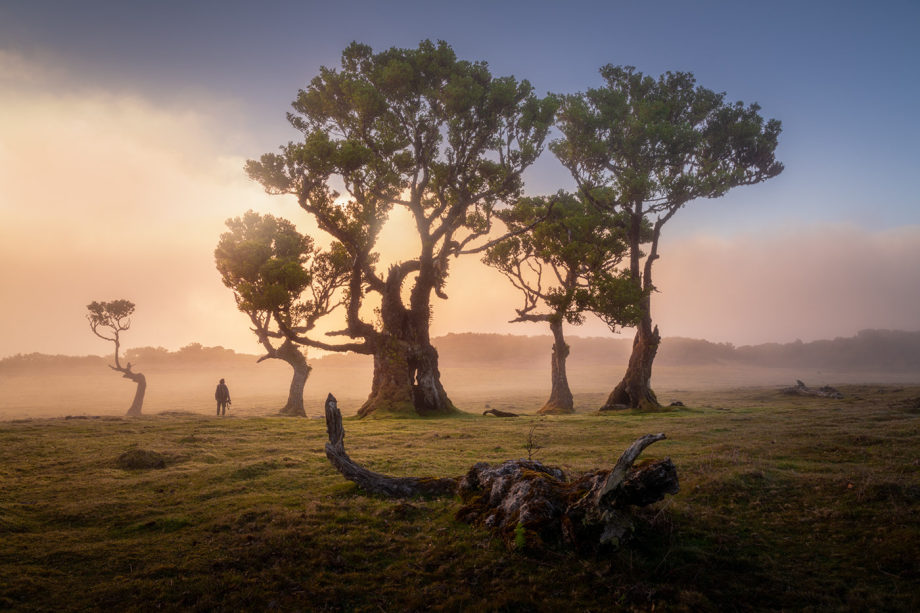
{"x":222,"y":393}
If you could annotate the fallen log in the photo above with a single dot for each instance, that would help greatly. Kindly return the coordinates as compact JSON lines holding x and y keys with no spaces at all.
{"x":528,"y":504}
{"x":800,"y":389}
{"x":498,"y":413}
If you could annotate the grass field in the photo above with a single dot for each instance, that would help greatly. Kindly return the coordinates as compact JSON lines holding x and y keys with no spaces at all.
{"x":785,"y":503}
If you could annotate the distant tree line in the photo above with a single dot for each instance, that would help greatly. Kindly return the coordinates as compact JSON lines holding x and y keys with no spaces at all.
{"x":882,"y":350}
{"x":869,"y":350}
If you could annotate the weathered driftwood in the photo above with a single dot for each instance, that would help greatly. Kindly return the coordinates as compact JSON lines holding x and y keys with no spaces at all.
{"x":397,"y":487}
{"x":498,"y":413}
{"x":525,"y":502}
{"x":800,"y":389}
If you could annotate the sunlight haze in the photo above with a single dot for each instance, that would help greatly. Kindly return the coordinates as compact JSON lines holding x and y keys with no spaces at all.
{"x":115,"y":184}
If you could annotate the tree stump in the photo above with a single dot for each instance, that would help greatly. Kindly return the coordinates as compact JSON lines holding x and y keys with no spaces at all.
{"x":528,"y":504}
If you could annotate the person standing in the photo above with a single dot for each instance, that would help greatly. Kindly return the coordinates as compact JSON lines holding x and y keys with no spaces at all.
{"x":222,"y":396}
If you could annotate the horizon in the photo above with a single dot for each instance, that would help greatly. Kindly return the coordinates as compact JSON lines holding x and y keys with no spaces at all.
{"x":318,"y":355}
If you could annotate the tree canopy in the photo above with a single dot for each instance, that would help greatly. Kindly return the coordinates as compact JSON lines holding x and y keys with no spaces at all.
{"x":562,"y":254}
{"x":109,"y":319}
{"x":660,"y":143}
{"x":275,"y":272}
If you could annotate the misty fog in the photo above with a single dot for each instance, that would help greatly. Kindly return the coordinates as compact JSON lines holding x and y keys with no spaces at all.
{"x":477,"y":370}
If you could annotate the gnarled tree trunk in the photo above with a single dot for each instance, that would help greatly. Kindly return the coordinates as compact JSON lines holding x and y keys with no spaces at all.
{"x":138,"y":403}
{"x":560,"y":397}
{"x":391,"y":387}
{"x":406,"y":376}
{"x":293,"y":356}
{"x":289,"y":352}
{"x":528,"y":503}
{"x":427,"y":392}
{"x":406,"y":380}
{"x":635,"y":389}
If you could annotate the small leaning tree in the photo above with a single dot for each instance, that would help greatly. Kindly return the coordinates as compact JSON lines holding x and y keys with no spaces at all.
{"x":562,"y":257}
{"x":108,"y":320}
{"x":419,"y":130}
{"x":640,"y":149}
{"x":284,"y":284}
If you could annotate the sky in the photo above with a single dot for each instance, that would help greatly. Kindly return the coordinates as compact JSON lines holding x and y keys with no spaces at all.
{"x":124,"y":127}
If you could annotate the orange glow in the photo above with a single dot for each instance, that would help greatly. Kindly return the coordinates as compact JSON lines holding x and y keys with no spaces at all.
{"x":105,"y":196}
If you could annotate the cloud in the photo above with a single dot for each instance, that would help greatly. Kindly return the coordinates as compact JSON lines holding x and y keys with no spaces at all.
{"x":811,"y":283}
{"x":20,"y":72}
{"x":106,"y":196}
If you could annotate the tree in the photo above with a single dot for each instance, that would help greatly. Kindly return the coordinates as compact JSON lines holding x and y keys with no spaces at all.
{"x":569,"y":253}
{"x":269,"y":266}
{"x":420,"y":130}
{"x":108,"y":320}
{"x":641,"y":149}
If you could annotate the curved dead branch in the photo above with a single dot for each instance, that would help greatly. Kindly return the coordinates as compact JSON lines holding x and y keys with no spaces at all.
{"x":376,"y":483}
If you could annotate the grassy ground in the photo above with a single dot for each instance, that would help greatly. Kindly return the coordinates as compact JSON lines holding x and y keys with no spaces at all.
{"x":786,"y":503}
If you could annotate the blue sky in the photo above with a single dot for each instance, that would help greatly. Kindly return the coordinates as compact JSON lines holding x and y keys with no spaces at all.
{"x":843,"y":77}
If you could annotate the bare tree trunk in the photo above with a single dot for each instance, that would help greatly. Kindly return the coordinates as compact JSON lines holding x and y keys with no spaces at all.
{"x":560,"y":397}
{"x":293,"y":356}
{"x":635,"y":389}
{"x":406,"y":380}
{"x":391,"y":387}
{"x":138,"y":403}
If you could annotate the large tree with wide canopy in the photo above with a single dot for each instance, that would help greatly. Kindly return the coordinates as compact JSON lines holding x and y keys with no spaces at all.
{"x":643,"y":148}
{"x":420,"y":130}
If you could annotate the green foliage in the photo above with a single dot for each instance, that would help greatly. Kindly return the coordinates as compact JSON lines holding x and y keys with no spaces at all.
{"x":520,"y":536}
{"x":113,"y":315}
{"x":614,"y":297}
{"x":645,"y":147}
{"x":108,"y":320}
{"x":416,"y":128}
{"x":563,"y":252}
{"x":269,"y":265}
{"x":386,"y":117}
{"x":663,"y":142}
{"x":263,"y":259}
